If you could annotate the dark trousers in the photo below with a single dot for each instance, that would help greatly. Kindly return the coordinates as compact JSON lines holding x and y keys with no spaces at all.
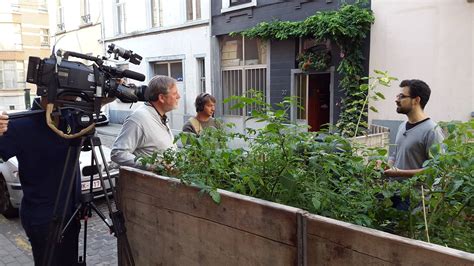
{"x":65,"y":253}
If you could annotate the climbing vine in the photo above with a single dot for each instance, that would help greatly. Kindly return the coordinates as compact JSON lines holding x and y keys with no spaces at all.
{"x":347,"y":28}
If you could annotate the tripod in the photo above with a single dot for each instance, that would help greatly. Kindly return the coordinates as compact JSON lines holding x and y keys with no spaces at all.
{"x":84,"y":210}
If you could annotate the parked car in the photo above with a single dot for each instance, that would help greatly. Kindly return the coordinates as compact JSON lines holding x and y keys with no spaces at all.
{"x":10,"y":187}
{"x":102,"y":121}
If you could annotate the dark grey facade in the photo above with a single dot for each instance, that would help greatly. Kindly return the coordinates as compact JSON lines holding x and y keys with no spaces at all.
{"x":282,"y":54}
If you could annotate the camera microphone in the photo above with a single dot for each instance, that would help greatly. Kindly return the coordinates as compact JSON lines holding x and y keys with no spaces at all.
{"x":133,"y":75}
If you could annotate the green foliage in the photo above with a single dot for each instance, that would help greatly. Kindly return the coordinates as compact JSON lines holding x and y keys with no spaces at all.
{"x":347,"y":28}
{"x":329,"y":175}
{"x":318,"y":60}
{"x":370,"y":91}
{"x":449,"y":180}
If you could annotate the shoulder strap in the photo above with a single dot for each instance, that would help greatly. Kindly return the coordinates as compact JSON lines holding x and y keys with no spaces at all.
{"x":196,"y":124}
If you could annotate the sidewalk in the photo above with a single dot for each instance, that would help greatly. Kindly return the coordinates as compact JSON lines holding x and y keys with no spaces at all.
{"x":109,"y":130}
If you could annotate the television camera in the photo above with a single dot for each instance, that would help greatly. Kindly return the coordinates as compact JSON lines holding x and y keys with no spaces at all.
{"x":80,"y":90}
{"x":83,"y":88}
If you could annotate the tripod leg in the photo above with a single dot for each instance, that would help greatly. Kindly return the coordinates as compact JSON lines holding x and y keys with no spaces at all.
{"x":118,"y":221}
{"x":57,"y":221}
{"x":102,"y":216}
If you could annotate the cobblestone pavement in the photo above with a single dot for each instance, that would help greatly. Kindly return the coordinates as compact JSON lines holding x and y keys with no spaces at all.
{"x":15,"y":248}
{"x":101,"y":246}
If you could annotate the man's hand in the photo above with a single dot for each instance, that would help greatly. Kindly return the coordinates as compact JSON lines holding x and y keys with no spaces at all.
{"x":395,"y":172}
{"x":3,"y":122}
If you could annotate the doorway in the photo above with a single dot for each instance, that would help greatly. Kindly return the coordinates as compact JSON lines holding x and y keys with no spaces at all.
{"x":318,"y":100}
{"x":315,"y":95}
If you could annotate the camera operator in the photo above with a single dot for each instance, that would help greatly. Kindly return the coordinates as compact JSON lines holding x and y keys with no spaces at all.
{"x":146,"y":130}
{"x":41,"y":155}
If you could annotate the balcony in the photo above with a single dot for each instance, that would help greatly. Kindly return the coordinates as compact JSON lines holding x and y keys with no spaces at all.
{"x":61,"y":27}
{"x":86,"y":19}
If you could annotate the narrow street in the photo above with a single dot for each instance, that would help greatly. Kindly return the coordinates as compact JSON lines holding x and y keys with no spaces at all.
{"x":101,"y":245}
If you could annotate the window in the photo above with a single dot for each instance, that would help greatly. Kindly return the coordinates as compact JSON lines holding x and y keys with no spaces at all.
{"x":193,"y":9}
{"x":156,"y":13}
{"x":44,"y":37}
{"x":239,"y":2}
{"x":244,"y":68}
{"x":60,"y":19}
{"x":85,"y":12}
{"x":201,"y":68}
{"x":172,"y":69}
{"x":13,"y":41}
{"x":12,"y":75}
{"x":120,"y":16}
{"x":42,"y":5}
{"x":231,"y":5}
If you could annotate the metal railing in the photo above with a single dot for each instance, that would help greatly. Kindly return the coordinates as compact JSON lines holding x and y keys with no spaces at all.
{"x":238,"y":81}
{"x":86,"y":19}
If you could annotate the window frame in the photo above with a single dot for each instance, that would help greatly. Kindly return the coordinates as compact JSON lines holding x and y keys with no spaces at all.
{"x":18,"y":35}
{"x":168,"y":63}
{"x":18,"y":72}
{"x":226,"y":6}
{"x":45,"y":37}
{"x":196,"y":11}
{"x":158,"y":13}
{"x":201,"y":74}
{"x":120,"y":22}
{"x":60,"y":19}
{"x":85,"y":12}
{"x":246,"y":74}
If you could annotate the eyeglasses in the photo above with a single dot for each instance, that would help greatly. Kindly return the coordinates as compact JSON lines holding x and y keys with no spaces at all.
{"x":402,"y":96}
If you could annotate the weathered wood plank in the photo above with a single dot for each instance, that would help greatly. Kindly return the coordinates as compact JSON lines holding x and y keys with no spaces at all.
{"x":346,"y":243}
{"x":324,"y":252}
{"x":181,"y":239}
{"x":270,"y":220}
{"x":169,"y":225}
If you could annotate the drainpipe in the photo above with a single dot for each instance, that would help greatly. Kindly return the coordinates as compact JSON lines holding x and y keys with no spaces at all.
{"x":102,"y":27}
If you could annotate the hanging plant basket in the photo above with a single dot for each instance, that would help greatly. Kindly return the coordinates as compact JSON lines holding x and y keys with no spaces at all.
{"x":317,"y":58}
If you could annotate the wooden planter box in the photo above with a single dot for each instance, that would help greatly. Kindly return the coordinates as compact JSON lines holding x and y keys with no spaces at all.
{"x":169,"y":223}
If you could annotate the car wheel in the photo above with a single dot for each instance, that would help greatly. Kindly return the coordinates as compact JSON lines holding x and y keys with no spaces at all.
{"x":6,"y":207}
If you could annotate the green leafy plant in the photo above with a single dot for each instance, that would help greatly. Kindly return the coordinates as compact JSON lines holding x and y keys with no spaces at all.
{"x":370,"y":90}
{"x":347,"y":28}
{"x":329,"y":175}
{"x":317,"y":60}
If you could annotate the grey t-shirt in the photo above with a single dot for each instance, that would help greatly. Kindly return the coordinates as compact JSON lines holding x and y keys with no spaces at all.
{"x":413,"y":145}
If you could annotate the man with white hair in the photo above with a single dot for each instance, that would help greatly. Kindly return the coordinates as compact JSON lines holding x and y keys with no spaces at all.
{"x":146,"y":130}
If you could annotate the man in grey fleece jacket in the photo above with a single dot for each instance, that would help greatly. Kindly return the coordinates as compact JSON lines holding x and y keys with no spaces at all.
{"x":146,"y":130}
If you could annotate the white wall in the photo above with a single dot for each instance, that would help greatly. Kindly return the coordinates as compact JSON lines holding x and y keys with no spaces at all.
{"x":76,"y":38}
{"x":431,"y":40}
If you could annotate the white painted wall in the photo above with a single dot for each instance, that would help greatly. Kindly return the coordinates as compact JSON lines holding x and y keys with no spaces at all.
{"x":432,"y":40}
{"x":76,"y":38}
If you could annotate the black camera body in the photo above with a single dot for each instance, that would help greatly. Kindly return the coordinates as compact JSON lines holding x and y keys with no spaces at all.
{"x":71,"y":77}
{"x":81,"y":87}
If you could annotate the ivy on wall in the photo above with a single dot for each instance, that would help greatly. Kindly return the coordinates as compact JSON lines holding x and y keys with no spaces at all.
{"x":347,"y":28}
